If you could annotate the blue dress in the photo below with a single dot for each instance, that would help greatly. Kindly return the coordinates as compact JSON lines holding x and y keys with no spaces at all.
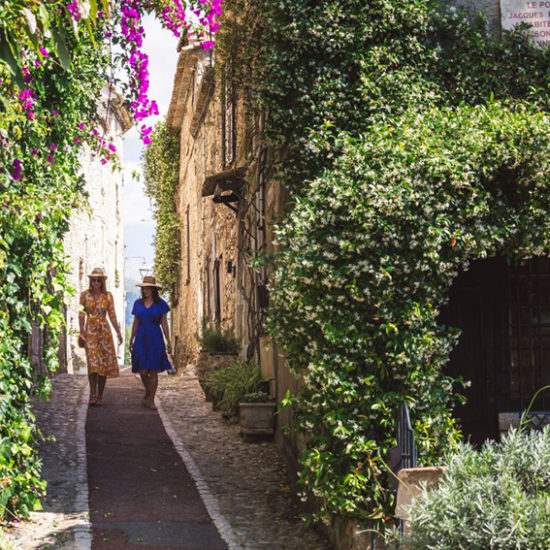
{"x":149,"y":351}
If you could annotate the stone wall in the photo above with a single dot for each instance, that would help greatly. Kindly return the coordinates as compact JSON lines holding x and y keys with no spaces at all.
{"x":206,"y":290}
{"x":217,"y":281}
{"x":95,"y":236}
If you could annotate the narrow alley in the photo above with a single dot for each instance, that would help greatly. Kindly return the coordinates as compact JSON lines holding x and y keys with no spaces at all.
{"x":123,"y":477}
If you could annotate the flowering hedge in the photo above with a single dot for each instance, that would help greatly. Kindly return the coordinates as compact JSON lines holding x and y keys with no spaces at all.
{"x":412,"y":143}
{"x":54,"y":59}
{"x":367,"y":258}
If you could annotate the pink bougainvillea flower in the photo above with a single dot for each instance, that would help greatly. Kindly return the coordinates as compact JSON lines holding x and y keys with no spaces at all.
{"x":53,"y":147}
{"x":73,"y":10}
{"x":27,"y":77}
{"x":207,"y":45}
{"x":49,"y":159}
{"x":34,"y":152}
{"x":17,"y":169}
{"x":81,"y":125}
{"x":44,"y":51}
{"x":76,"y":141}
{"x":112,"y":148}
{"x":55,"y":113}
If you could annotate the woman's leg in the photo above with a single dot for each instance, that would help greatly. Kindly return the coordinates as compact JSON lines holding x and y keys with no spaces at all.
{"x":101,"y":380}
{"x":92,"y":379}
{"x":152,"y":383}
{"x":143,"y":376}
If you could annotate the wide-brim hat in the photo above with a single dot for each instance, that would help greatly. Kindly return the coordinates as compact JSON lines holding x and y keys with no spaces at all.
{"x":97,"y":272}
{"x":149,"y":280}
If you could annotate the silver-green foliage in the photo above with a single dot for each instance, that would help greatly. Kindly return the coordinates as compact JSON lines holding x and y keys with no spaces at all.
{"x":497,"y":498}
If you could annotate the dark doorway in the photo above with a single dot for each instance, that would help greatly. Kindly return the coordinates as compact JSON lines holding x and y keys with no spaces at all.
{"x":504,"y":350}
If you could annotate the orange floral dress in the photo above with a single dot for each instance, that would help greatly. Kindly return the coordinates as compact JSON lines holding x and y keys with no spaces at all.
{"x":100,"y":348}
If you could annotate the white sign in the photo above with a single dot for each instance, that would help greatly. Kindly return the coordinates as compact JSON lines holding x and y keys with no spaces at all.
{"x":535,"y":13}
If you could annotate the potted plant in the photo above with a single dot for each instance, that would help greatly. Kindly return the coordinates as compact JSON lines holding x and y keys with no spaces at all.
{"x":257,"y":414}
{"x":231,"y":382}
{"x":219,"y":347}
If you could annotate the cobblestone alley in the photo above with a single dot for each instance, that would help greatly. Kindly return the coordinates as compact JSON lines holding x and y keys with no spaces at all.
{"x":123,"y":477}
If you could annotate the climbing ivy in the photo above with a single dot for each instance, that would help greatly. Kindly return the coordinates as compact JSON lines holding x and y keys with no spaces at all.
{"x":161,"y":175}
{"x":413,"y":142}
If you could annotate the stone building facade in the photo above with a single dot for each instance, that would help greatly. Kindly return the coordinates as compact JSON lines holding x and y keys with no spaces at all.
{"x":226,"y":207}
{"x":95,"y":237}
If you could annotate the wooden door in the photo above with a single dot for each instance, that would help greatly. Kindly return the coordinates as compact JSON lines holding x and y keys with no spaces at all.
{"x":474,"y":308}
{"x":504,"y":350}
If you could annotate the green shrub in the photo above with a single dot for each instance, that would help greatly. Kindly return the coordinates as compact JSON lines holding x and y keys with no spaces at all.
{"x":256,"y":397}
{"x":437,"y":156}
{"x":233,"y":382}
{"x":214,"y":338}
{"x":495,"y":498}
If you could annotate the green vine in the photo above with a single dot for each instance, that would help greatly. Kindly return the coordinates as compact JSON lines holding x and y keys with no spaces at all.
{"x":161,"y":176}
{"x":413,"y":143}
{"x":37,"y":197}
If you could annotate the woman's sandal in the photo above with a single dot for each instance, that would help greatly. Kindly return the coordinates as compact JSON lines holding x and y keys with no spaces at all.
{"x":99,"y":401}
{"x":93,"y":400}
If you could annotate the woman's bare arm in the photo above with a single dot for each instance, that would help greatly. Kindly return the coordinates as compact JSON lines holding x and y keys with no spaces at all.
{"x":165,"y":329}
{"x":135,"y":325}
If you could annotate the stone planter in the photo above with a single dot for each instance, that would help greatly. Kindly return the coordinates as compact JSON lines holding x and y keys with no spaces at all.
{"x":257,"y":418}
{"x":207,"y":363}
{"x":412,"y":481}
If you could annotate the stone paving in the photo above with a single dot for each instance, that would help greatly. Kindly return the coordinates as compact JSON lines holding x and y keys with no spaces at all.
{"x":244,"y":485}
{"x":64,"y":521}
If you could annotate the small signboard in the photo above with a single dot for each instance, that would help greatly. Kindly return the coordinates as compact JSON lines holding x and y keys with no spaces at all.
{"x":535,"y":13}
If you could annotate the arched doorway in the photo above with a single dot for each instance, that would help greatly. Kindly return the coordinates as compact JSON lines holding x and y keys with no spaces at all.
{"x":504,"y":349}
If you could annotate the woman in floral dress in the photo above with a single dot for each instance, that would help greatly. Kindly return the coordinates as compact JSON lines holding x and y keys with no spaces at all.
{"x":97,"y":304}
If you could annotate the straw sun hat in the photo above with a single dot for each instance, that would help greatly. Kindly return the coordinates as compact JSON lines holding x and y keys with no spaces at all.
{"x":97,"y":273}
{"x":149,"y":280}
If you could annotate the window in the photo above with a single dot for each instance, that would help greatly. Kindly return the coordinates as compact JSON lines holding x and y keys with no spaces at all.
{"x":228,"y":119}
{"x":188,"y":246}
{"x":217,"y":292}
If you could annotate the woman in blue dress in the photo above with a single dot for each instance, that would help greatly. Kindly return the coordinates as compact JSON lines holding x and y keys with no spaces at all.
{"x":146,"y":341}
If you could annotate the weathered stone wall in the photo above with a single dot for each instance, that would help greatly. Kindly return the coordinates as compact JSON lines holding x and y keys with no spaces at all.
{"x":490,"y":9}
{"x":206,"y":290}
{"x":213,"y":233}
{"x":95,"y":237}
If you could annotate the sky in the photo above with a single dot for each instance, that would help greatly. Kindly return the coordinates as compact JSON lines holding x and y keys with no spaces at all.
{"x":139,"y":226}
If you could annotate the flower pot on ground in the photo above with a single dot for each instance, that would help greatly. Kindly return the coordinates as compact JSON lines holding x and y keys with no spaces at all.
{"x":219,"y":348}
{"x":257,"y":415}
